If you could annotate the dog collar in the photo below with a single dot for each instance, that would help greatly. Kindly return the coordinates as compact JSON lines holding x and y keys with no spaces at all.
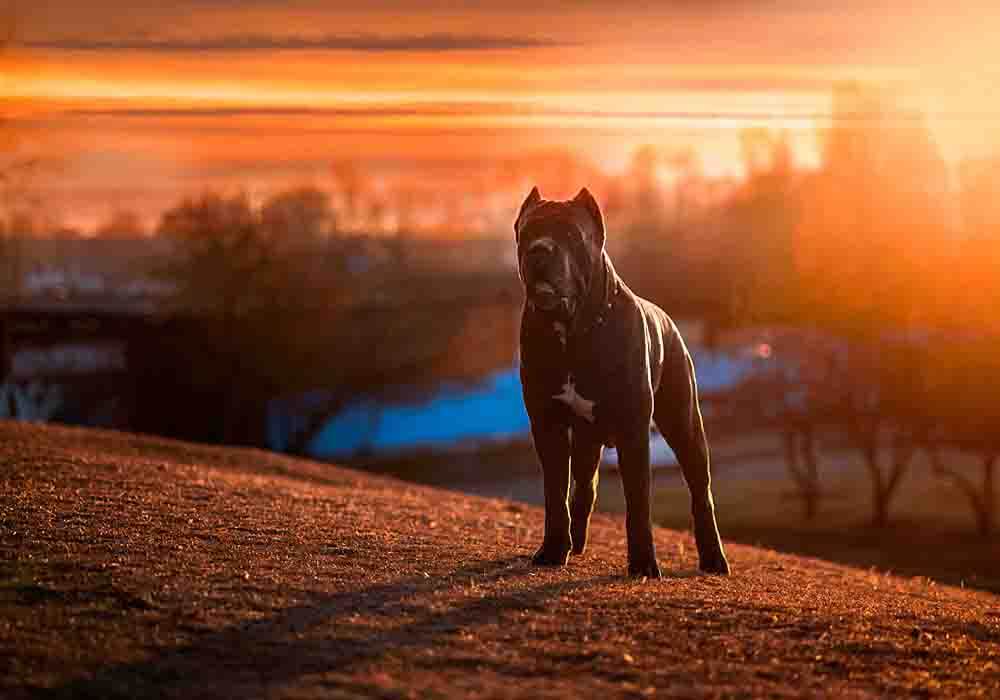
{"x":606,"y":307}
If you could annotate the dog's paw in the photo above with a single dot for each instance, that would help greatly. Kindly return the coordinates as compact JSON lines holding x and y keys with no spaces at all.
{"x":644,"y":569}
{"x":714,"y":563}
{"x":551,"y":555}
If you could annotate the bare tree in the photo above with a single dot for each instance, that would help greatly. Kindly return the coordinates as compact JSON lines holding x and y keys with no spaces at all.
{"x":966,"y":412}
{"x":799,"y":389}
{"x":982,"y":496}
{"x":883,"y":409}
{"x":123,"y":223}
{"x":802,"y":463}
{"x":883,"y":188}
{"x":300,"y":217}
{"x":293,"y":319}
{"x":224,"y":264}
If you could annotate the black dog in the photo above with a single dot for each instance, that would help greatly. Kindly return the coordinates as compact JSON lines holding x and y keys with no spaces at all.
{"x":597,"y":364}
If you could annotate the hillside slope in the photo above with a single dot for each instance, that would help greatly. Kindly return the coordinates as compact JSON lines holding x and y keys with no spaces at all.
{"x":134,"y":566}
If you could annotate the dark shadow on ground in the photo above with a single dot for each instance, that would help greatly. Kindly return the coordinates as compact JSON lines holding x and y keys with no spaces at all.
{"x":318,"y":643}
{"x":905,"y":548}
{"x":307,"y":639}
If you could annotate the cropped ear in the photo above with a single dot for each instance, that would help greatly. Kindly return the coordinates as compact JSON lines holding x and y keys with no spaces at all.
{"x":530,"y":203}
{"x":585,"y":201}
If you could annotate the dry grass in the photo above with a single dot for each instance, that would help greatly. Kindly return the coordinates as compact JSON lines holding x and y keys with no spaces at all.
{"x":133,"y":566}
{"x":931,"y":533}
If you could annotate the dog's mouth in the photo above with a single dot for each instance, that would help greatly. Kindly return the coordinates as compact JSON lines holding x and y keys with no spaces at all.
{"x":545,"y":298}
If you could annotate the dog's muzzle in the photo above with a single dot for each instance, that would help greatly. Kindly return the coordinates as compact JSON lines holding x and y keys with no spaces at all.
{"x":547,"y":300}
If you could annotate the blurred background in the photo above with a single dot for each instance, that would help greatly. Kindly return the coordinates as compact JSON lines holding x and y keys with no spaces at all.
{"x":289,"y":225}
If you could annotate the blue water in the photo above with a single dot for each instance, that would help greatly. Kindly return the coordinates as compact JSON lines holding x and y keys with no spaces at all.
{"x":491,"y":410}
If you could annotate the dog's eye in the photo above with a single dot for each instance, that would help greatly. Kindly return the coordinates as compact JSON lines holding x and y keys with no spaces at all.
{"x":540,"y":248}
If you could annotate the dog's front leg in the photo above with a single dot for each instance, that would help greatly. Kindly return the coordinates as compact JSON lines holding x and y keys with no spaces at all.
{"x":634,"y":466}
{"x":552,"y":446}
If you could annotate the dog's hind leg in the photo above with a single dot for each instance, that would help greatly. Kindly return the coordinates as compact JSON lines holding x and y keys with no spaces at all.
{"x":584,"y":465}
{"x":678,"y":417}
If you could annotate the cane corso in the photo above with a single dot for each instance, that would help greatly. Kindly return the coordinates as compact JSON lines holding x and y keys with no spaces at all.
{"x":598,"y":363}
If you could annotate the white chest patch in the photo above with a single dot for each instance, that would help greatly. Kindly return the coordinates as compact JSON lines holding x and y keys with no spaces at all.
{"x":579,"y":405}
{"x":560,"y":328}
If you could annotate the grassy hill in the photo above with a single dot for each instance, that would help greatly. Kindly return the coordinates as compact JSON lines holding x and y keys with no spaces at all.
{"x":133,"y":566}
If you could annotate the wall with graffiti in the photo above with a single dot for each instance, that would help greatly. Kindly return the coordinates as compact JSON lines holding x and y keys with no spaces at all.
{"x":75,"y":382}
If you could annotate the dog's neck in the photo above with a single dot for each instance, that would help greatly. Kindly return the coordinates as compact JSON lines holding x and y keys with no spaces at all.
{"x":596,"y":302}
{"x":599,"y":298}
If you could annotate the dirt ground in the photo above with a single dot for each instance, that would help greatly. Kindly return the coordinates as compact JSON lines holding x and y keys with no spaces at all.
{"x":132,"y":566}
{"x":931,"y":531}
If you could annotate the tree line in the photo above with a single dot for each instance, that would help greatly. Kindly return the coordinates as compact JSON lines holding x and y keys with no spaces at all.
{"x":880,"y":278}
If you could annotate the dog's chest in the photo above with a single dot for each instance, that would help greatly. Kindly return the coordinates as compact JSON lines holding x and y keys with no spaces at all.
{"x":594,"y":372}
{"x":592,"y":360}
{"x":583,"y":376}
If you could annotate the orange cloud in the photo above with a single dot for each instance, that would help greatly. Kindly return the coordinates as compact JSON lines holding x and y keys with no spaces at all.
{"x":175,"y":96}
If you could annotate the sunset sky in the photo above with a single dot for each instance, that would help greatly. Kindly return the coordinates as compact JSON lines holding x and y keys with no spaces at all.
{"x":134,"y":103}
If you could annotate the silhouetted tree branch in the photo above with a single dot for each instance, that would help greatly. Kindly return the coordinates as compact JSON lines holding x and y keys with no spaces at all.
{"x":982,"y":497}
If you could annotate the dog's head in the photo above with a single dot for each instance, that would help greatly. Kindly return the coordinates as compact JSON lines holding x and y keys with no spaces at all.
{"x":559,"y":245}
